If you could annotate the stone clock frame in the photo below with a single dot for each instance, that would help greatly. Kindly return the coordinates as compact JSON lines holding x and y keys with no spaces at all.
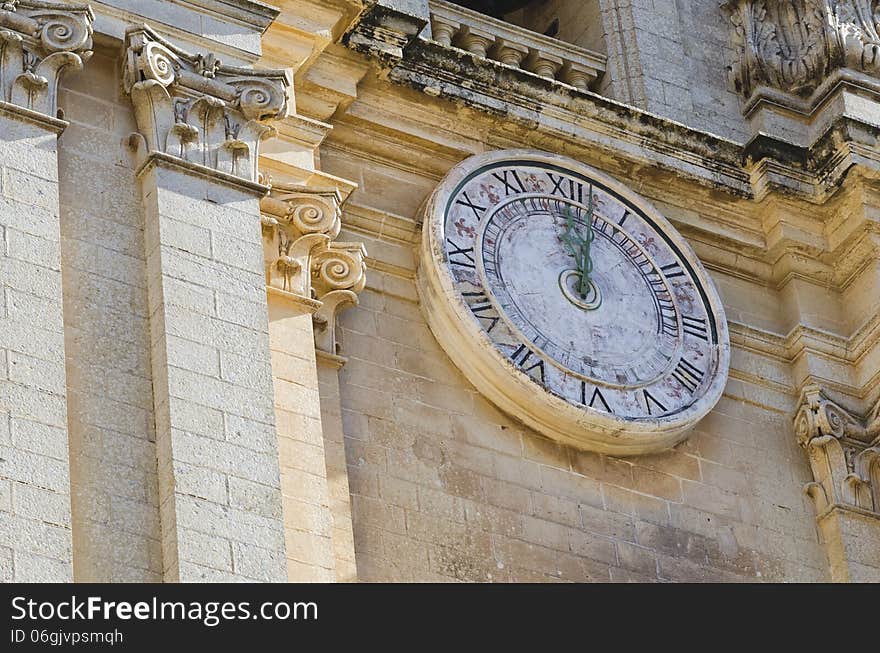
{"x":495,"y":376}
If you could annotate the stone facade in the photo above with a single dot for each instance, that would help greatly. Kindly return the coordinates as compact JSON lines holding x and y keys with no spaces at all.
{"x":216,"y":364}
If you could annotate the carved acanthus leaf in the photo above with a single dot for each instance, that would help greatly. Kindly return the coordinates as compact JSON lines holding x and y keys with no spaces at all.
{"x":793,"y":46}
{"x":40,"y":40}
{"x":195,"y":108}
{"x":844,"y":452}
{"x":779,"y":43}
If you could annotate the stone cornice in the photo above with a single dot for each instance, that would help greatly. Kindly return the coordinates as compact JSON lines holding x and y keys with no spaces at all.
{"x":766,"y":165}
{"x":384,"y":30}
{"x":556,"y":108}
{"x":196,"y":109}
{"x":40,"y":41}
{"x":47,"y":122}
{"x":786,"y":348}
{"x":802,"y":340}
{"x":258,"y":15}
{"x":381,"y":223}
{"x":812,"y":173}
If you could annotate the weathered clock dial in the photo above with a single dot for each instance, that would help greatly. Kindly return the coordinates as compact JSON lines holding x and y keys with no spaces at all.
{"x":571,"y":303}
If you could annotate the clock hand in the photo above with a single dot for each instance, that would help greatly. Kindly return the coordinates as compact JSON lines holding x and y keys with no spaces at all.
{"x":579,"y":246}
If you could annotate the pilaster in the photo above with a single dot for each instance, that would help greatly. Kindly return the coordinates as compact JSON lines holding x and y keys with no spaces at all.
{"x":809,"y":76}
{"x":310,"y":277}
{"x":200,"y":124}
{"x":39,"y":42}
{"x":844,"y":454}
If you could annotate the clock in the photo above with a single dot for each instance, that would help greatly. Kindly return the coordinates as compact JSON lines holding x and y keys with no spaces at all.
{"x":571,"y":303}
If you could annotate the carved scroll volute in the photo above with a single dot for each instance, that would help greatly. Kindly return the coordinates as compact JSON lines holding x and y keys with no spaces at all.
{"x":301,"y":258}
{"x":196,"y":109}
{"x":307,"y":211}
{"x":39,"y":41}
{"x":844,"y":471}
{"x":338,"y":274}
{"x":296,"y":226}
{"x":339,"y":267}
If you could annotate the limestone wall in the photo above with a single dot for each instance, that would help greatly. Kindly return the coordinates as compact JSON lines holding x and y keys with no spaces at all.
{"x":446,"y":487}
{"x":290,"y":448}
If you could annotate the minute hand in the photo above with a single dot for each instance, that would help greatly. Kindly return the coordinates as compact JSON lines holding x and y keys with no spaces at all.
{"x":579,"y":246}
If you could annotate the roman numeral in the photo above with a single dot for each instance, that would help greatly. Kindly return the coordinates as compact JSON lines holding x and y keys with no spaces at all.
{"x":515,"y":187}
{"x":482,"y":308}
{"x":688,"y":375}
{"x":669,"y":327}
{"x":466,"y":253}
{"x":672,"y":270}
{"x":596,"y":395}
{"x":521,"y":358}
{"x":478,"y":210}
{"x":626,"y":214}
{"x":567,"y":188}
{"x":695,"y":326}
{"x":649,"y":399}
{"x":668,"y":315}
{"x":602,"y":226}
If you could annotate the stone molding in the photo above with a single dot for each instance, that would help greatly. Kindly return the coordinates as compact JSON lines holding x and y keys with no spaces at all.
{"x":39,"y":41}
{"x":304,"y":262}
{"x":385,"y":29}
{"x":844,"y":453}
{"x":769,"y":164}
{"x":787,"y":49}
{"x":766,"y":165}
{"x":196,"y":109}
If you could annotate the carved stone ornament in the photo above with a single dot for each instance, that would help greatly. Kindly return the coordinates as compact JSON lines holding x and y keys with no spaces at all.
{"x":794,"y":45}
{"x":196,"y":109}
{"x":39,"y":41}
{"x":303,"y":262}
{"x":844,"y":453}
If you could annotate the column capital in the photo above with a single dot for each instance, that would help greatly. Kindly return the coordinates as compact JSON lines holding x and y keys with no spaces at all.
{"x":196,"y":109}
{"x":302,"y":260}
{"x":844,"y":453}
{"x":792,"y":57}
{"x":39,"y":40}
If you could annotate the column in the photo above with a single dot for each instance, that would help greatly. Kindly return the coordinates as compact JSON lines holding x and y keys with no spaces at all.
{"x":39,"y":42}
{"x":200,"y":125}
{"x":309,"y":278}
{"x":844,"y":453}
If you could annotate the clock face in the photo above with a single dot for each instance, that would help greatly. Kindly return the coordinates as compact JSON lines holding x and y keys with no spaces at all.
{"x":578,"y":307}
